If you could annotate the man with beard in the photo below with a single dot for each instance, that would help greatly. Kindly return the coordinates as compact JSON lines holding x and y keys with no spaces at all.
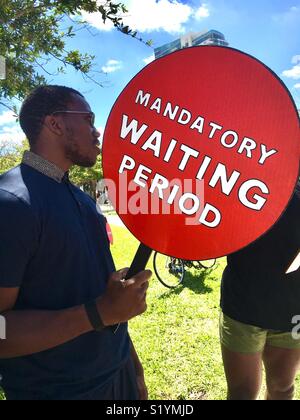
{"x":59,"y":292}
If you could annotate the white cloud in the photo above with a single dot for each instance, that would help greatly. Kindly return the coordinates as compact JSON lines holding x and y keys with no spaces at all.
{"x":149,"y":59}
{"x":294,"y":72}
{"x":12,"y":134}
{"x":202,"y":12}
{"x":296,"y":59}
{"x":95,"y":19}
{"x":111,"y":66}
{"x":152,"y":15}
{"x":7,"y":117}
{"x":297,"y":86}
{"x":291,"y":16}
{"x":101,"y":131}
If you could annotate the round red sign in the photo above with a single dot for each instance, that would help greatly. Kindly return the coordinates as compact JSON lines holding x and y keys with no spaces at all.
{"x":201,"y":152}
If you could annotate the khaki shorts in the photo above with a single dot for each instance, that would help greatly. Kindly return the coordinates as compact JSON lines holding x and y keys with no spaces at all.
{"x":244,"y":338}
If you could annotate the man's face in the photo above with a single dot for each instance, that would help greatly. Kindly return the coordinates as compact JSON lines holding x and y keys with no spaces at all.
{"x":81,"y":137}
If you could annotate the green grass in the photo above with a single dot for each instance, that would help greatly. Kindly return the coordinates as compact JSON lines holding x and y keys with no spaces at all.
{"x":177,"y":338}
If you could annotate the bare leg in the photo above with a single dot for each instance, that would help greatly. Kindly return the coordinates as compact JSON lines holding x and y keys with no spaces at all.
{"x":243,"y":373}
{"x":281,"y":369}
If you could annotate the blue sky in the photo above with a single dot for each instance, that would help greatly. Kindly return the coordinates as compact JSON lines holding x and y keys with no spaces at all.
{"x":267,"y":29}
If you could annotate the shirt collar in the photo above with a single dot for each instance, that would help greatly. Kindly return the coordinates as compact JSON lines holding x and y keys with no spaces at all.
{"x":44,"y":166}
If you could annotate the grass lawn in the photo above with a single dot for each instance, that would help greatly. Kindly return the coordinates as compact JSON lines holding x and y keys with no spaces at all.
{"x":177,"y":338}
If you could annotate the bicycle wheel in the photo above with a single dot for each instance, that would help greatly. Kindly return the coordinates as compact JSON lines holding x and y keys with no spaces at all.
{"x":207,"y":263}
{"x":169,"y":271}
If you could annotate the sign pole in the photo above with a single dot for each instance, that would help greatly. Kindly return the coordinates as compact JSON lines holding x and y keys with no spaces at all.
{"x":140,"y":261}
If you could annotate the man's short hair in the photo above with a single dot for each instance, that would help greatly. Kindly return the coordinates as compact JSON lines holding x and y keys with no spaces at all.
{"x":43,"y":101}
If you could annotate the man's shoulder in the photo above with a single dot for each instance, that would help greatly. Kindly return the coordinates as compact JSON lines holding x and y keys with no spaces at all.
{"x":12,"y":186}
{"x":11,"y":173}
{"x":11,"y":178}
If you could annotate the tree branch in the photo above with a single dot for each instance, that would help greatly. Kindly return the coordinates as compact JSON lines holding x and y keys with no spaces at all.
{"x":43,"y":68}
{"x":7,"y":106}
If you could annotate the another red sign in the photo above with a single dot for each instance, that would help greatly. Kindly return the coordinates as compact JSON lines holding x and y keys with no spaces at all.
{"x":203,"y":146}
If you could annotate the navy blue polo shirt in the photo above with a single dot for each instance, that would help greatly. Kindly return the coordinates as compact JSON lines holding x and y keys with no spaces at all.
{"x":54,"y":247}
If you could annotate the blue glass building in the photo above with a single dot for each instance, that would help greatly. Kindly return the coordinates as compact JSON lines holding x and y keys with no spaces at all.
{"x":211,"y":37}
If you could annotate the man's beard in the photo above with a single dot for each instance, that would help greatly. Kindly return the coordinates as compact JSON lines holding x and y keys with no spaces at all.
{"x":73,"y":154}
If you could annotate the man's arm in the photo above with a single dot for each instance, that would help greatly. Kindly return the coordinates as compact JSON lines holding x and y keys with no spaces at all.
{"x":29,"y":332}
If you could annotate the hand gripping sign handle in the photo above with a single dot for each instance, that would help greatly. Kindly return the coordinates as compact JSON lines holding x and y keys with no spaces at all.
{"x":140,"y":261}
{"x":138,"y":264}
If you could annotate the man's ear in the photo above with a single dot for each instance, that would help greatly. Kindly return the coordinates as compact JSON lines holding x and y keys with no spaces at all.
{"x":54,"y":125}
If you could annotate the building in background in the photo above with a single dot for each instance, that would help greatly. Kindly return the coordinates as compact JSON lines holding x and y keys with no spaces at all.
{"x":192,"y":39}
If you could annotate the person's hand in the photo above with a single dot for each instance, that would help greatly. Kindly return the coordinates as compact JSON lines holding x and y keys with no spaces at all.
{"x":123,"y":300}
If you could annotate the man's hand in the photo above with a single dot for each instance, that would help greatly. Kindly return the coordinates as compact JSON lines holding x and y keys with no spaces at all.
{"x":123,"y":300}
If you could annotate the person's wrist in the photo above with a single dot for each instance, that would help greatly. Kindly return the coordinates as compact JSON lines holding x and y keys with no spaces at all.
{"x":94,"y":315}
{"x":104,"y":309}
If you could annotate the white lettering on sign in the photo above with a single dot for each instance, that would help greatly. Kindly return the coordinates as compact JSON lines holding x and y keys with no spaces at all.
{"x":188,"y":153}
{"x":128,"y":163}
{"x":252,"y":193}
{"x":258,"y":200}
{"x":136,"y":134}
{"x":228,"y":139}
{"x":161,"y":185}
{"x":154,"y":143}
{"x":265,"y":154}
{"x":248,"y":145}
{"x":169,"y":112}
{"x":227,"y":182}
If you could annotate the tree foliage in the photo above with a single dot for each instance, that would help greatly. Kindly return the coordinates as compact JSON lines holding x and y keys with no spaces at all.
{"x":34,"y":32}
{"x":11,"y":155}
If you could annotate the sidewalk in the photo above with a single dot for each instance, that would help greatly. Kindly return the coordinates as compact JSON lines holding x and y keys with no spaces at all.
{"x":111,"y":216}
{"x":115,"y":220}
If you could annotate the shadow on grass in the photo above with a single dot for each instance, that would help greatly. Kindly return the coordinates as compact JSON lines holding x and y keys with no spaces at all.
{"x":195,"y":282}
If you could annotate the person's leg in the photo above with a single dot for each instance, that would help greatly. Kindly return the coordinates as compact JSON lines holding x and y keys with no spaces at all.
{"x":243,"y":374}
{"x":281,"y":366}
{"x":242,"y":347}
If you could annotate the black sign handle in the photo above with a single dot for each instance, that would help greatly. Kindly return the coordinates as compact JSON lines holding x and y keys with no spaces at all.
{"x":140,"y":261}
